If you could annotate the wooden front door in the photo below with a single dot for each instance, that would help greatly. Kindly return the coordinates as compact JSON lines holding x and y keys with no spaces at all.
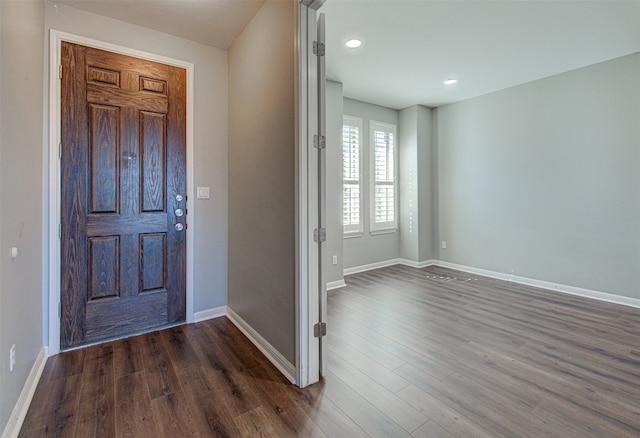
{"x":123,"y":186}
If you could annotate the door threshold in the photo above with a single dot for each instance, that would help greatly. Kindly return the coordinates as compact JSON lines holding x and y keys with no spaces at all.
{"x":129,"y":335}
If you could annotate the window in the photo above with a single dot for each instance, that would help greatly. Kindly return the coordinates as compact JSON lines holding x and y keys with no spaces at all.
{"x":351,"y":175}
{"x":383,"y":177}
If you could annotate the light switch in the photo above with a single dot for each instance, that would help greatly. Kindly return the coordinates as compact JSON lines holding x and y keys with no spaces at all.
{"x":14,"y":252}
{"x":203,"y":193}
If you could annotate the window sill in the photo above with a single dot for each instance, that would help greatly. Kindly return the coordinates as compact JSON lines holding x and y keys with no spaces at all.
{"x":384,"y":231}
{"x":352,"y":235}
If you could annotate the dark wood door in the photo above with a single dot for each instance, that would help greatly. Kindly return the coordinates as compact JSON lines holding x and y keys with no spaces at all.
{"x":123,"y":178}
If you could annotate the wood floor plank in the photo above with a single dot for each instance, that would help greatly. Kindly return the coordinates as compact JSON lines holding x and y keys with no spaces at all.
{"x":405,"y":352}
{"x":209,"y":412}
{"x":438,"y":412}
{"x":335,"y":422}
{"x":367,"y":416}
{"x":69,"y":364}
{"x":590,"y":419}
{"x":390,"y":404}
{"x":430,"y":429}
{"x":134,"y":412}
{"x":281,"y":401}
{"x":172,"y":416}
{"x":381,"y":375}
{"x":367,"y":348}
{"x":160,"y":374}
{"x":473,"y":406}
{"x":255,"y":423}
{"x":57,"y":415}
{"x":127,"y":356}
{"x":96,"y":414}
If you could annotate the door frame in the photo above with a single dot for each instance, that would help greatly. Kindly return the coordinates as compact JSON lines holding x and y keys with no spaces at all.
{"x":307,"y":196}
{"x":51,"y":156}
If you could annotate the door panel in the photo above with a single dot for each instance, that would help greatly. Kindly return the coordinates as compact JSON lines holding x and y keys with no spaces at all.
{"x":322,"y":196}
{"x":103,"y":158}
{"x":152,"y":262}
{"x":123,"y":164}
{"x":152,"y":135}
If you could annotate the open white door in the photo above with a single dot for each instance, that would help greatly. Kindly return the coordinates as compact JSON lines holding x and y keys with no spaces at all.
{"x":320,"y":144}
{"x":311,"y":293}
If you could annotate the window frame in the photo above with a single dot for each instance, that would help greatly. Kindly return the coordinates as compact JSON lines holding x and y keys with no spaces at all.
{"x":388,"y":226}
{"x":354,"y":230}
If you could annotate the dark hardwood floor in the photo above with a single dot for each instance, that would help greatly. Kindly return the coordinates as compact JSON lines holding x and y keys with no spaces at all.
{"x":412,"y":352}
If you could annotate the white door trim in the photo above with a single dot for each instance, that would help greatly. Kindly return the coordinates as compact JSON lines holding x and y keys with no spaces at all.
{"x":51,"y":156}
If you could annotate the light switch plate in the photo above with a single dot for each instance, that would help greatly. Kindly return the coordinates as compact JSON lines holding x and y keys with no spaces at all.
{"x":203,"y":193}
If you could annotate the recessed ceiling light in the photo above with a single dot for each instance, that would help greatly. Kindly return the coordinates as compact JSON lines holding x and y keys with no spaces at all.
{"x":450,"y":81}
{"x":353,"y":44}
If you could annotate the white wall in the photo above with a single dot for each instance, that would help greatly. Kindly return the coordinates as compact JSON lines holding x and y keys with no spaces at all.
{"x":21,"y":217}
{"x":262,"y":176}
{"x":542,"y":180}
{"x":334,"y":244}
{"x":210,"y":134}
{"x":369,"y":248}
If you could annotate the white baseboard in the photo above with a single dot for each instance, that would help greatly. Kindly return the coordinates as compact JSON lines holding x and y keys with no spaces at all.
{"x":371,"y":266}
{"x":273,"y":355}
{"x":336,"y":284}
{"x":12,"y":429}
{"x":563,"y":288}
{"x":385,"y":263}
{"x":419,"y":265}
{"x":214,"y":312}
{"x":571,"y":290}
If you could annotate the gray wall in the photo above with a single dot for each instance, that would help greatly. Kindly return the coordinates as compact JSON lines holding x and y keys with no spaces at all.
{"x":369,"y":248}
{"x":262,"y":176}
{"x":210,"y":134}
{"x":417,"y":173}
{"x":542,"y":180}
{"x":334,"y":243}
{"x":21,"y":218}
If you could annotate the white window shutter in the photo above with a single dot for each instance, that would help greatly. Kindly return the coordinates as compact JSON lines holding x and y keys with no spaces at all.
{"x":383,"y":176}
{"x":351,"y":174}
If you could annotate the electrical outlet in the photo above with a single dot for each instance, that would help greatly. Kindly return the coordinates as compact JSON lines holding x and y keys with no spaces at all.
{"x":335,"y":259}
{"x":12,"y":357}
{"x":444,"y":244}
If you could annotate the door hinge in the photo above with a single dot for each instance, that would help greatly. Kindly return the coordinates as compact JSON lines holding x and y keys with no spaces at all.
{"x":59,"y":310}
{"x":59,"y":231}
{"x":60,"y":150}
{"x":318,"y":48}
{"x":319,"y":141}
{"x":60,"y":71}
{"x":320,"y":330}
{"x":320,"y":235}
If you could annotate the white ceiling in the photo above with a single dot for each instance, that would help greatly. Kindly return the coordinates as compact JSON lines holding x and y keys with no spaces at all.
{"x":215,"y":23}
{"x":411,"y":46}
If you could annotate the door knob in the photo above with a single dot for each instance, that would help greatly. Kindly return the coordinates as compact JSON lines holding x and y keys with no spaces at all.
{"x":179,"y":227}
{"x":179,"y":212}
